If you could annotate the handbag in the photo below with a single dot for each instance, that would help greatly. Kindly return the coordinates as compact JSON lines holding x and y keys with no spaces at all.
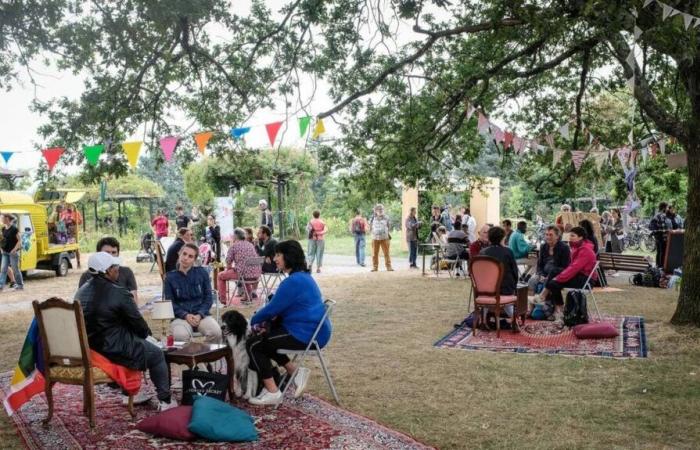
{"x":199,"y":383}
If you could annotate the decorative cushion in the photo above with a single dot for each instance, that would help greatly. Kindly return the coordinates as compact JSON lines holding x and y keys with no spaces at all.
{"x":597,"y":330}
{"x":76,"y":373}
{"x":218,"y":421}
{"x":487,"y":300}
{"x":170,"y":424}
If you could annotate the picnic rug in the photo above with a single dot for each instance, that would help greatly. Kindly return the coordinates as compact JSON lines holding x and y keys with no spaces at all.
{"x":306,"y":423}
{"x":542,"y":336}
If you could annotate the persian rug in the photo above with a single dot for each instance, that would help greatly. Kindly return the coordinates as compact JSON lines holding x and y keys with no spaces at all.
{"x":305,"y":423}
{"x":542,"y":336}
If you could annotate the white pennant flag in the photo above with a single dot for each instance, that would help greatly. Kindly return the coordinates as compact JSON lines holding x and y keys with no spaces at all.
{"x":564,"y":130}
{"x":556,"y":156}
{"x":687,"y":20}
{"x":630,"y":137}
{"x":645,"y":153}
{"x":697,"y":22}
{"x":470,"y":110}
{"x":631,"y":61}
{"x":662,"y":146}
{"x":666,"y":11}
{"x":634,"y":13}
{"x":674,"y":12}
{"x":646,"y":3}
{"x":637,"y":32}
{"x":630,"y":83}
{"x":550,"y":140}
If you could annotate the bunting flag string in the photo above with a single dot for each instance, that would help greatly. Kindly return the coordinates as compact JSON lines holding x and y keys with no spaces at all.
{"x":51,"y":155}
{"x":272,"y":130}
{"x":238,"y":133}
{"x":132,"y":150}
{"x":92,"y":153}
{"x":668,"y":11}
{"x":304,"y":125}
{"x":577,"y":157}
{"x":556,"y":156}
{"x":319,"y":129}
{"x":6,"y":156}
{"x":168,"y":144}
{"x":202,"y":139}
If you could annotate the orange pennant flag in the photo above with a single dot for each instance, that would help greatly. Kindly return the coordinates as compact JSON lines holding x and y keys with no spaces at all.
{"x":202,"y":139}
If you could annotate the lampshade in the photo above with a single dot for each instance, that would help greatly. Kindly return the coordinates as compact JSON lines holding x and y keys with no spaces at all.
{"x":162,"y":311}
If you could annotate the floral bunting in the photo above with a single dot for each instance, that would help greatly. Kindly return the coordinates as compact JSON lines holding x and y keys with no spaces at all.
{"x":556,"y":156}
{"x":550,"y":140}
{"x":577,"y":157}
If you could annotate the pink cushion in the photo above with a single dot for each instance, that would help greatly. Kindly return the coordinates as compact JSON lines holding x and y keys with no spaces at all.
{"x":597,"y":330}
{"x":171,"y":424}
{"x":505,"y":299}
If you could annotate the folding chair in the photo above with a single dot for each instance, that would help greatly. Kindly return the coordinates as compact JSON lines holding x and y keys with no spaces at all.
{"x":312,"y":347}
{"x":269,"y":281}
{"x":246,"y":282}
{"x":588,"y":287}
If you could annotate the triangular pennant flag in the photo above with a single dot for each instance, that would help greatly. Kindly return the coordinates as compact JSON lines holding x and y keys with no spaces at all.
{"x":674,"y":12}
{"x":556,"y":156}
{"x":550,"y":140}
{"x":564,"y":130}
{"x":482,"y":124}
{"x":687,"y":20}
{"x":51,"y":155}
{"x":637,"y":32}
{"x":631,"y":61}
{"x":646,"y":3}
{"x":507,"y":139}
{"x":697,"y":22}
{"x":6,"y":156}
{"x":304,"y":125}
{"x":645,"y":153}
{"x":662,"y":146}
{"x":634,"y":13}
{"x":600,"y":161}
{"x":653,"y":149}
{"x":630,"y":83}
{"x":497,"y":134}
{"x":577,"y":158}
{"x":202,"y":139}
{"x":623,"y":154}
{"x":238,"y":133}
{"x":272,"y":130}
{"x":470,"y":110}
{"x":319,"y":129}
{"x":132,"y":150}
{"x":630,"y":137}
{"x":93,"y":152}
{"x":518,"y":144}
{"x":168,"y":144}
{"x":666,"y":11}
{"x":590,"y":138}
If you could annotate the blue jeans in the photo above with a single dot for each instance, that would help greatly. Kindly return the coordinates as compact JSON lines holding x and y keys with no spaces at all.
{"x":158,"y":370}
{"x":360,"y":248}
{"x":316,"y":252}
{"x":11,"y":260}
{"x":412,"y":252}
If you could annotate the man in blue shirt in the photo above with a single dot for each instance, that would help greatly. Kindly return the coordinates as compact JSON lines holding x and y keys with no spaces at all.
{"x":189,"y":288}
{"x":518,"y":244}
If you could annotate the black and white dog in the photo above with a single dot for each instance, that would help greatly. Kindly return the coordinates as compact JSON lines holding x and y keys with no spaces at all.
{"x":236,"y":331}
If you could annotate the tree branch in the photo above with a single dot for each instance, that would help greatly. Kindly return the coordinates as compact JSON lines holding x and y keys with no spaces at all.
{"x":585,"y":66}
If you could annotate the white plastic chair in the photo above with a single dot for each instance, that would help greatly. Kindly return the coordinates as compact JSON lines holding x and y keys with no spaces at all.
{"x":312,"y":347}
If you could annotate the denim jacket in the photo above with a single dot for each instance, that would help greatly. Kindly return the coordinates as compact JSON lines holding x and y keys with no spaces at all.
{"x":190,"y":292}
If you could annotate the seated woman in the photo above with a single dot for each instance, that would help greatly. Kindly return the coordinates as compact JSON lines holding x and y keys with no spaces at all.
{"x":288,"y":322}
{"x":583,"y":261}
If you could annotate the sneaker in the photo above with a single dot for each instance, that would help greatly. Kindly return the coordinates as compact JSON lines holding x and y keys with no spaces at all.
{"x":267,"y":398}
{"x":139,"y":399}
{"x":19,"y":288}
{"x":373,"y":270}
{"x":389,"y":269}
{"x":164,"y":406}
{"x":300,"y":380}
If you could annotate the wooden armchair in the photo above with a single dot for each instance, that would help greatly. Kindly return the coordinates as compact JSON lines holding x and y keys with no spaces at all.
{"x":66,"y":353}
{"x":486,"y":275}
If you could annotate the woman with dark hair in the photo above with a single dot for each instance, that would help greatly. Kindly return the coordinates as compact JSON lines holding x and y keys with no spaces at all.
{"x":614,"y":231}
{"x":590,"y":234}
{"x":583,"y":260}
{"x":213,"y":236}
{"x":288,"y":322}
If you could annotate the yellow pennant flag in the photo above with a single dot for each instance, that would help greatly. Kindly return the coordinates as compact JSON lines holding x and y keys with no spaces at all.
{"x":319,"y":129}
{"x":132,"y":150}
{"x":202,"y":139}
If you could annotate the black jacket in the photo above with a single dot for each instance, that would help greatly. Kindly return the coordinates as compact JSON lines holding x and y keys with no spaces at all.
{"x":510,"y":268}
{"x":114,"y":325}
{"x":173,"y":254}
{"x":561,"y":258}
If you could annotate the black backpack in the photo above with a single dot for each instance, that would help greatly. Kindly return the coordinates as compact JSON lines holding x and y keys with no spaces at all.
{"x":575,"y":308}
{"x":649,"y":278}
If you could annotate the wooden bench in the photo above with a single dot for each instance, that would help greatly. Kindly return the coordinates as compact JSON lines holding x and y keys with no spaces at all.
{"x":619,"y":261}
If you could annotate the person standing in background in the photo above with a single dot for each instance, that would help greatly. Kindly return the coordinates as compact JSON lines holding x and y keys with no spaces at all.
{"x":181,"y":220}
{"x":160,"y":225}
{"x":411,"y":226}
{"x":266,"y":216}
{"x":469,"y":220}
{"x":358,"y":228}
{"x":11,"y":244}
{"x":213,"y":235}
{"x":380,"y":226}
{"x":317,"y":230}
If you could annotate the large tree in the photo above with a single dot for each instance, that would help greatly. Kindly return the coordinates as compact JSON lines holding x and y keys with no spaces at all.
{"x":401,"y":73}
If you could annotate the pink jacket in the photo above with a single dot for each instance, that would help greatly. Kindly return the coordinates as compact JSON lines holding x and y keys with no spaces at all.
{"x":319,"y":228}
{"x":583,"y":261}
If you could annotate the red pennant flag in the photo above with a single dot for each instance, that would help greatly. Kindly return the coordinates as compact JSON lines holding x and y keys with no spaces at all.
{"x":51,"y":155}
{"x":507,"y":139}
{"x":272,"y":129}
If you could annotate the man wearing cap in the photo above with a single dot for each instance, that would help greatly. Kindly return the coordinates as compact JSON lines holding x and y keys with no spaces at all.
{"x":189,"y":288}
{"x":126,"y":277}
{"x":266,"y":216}
{"x":116,"y":330}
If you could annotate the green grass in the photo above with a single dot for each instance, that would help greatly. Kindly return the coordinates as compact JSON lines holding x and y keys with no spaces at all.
{"x":345,"y":245}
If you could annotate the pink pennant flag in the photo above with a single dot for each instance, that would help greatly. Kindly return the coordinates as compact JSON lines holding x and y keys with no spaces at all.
{"x":272,"y":130}
{"x":482,"y":124}
{"x":507,"y":139}
{"x":549,"y":138}
{"x":518,"y":144}
{"x":168,"y":144}
{"x":498,"y":135}
{"x":577,"y":157}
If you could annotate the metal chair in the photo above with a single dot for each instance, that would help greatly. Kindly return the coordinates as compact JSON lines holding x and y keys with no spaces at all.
{"x":588,"y":287}
{"x":269,"y":281}
{"x":312,"y":347}
{"x":249,"y":263}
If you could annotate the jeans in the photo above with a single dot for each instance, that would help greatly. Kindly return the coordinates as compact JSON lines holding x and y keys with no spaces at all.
{"x":11,"y":260}
{"x":316,"y":248}
{"x":412,"y":252}
{"x":360,"y":248}
{"x":158,"y":370}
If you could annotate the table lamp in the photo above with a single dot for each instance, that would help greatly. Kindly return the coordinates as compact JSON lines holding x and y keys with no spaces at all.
{"x":163,"y":311}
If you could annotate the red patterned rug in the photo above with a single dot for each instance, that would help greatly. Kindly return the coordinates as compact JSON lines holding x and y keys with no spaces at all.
{"x":306,"y":423}
{"x":541,"y":336}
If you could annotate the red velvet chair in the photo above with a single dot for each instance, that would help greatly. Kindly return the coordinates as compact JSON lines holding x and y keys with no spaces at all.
{"x":486,"y":274}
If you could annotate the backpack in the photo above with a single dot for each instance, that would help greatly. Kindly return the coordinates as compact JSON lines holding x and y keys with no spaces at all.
{"x":575,"y":308}
{"x":649,"y":278}
{"x":358,"y":226}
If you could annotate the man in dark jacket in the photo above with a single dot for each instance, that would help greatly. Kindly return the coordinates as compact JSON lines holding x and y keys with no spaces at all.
{"x":115,"y":328}
{"x":184,"y":235}
{"x":504,"y":255}
{"x":554,"y":257}
{"x":266,"y":247}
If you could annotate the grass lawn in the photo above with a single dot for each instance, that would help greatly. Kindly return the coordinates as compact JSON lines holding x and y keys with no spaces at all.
{"x":386,"y":368}
{"x":345,"y":245}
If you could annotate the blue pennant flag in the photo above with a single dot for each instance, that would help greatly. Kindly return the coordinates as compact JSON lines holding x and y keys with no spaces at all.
{"x":6,"y":156}
{"x":238,"y":133}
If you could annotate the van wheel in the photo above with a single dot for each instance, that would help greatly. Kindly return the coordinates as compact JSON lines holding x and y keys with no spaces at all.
{"x":62,"y":268}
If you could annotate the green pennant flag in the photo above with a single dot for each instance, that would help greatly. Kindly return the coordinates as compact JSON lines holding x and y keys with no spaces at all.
{"x":304,"y":125}
{"x":92,"y":153}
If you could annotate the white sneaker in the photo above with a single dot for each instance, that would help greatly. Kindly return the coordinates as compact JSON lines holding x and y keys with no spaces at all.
{"x":300,"y":380}
{"x":267,"y":398}
{"x":139,"y":399}
{"x":163,"y":406}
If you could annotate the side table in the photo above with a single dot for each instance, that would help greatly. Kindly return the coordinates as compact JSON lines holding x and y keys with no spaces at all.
{"x":194,"y":353}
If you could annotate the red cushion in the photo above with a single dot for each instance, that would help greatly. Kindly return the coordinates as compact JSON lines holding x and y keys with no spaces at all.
{"x":598,"y":330}
{"x":170,"y":424}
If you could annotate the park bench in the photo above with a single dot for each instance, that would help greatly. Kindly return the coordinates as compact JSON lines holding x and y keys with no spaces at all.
{"x":619,"y":261}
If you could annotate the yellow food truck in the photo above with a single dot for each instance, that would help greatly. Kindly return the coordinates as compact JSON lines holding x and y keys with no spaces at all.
{"x":40,"y":248}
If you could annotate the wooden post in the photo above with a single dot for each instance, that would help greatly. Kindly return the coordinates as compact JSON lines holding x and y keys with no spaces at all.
{"x":97,"y":219}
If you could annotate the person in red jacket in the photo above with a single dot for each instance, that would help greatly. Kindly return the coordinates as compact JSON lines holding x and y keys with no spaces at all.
{"x":583,"y":260}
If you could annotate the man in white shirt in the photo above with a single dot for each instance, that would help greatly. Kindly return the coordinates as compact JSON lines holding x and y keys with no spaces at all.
{"x":469,"y":220}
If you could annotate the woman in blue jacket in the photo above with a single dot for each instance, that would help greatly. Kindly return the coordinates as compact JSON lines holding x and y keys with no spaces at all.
{"x":288,"y":322}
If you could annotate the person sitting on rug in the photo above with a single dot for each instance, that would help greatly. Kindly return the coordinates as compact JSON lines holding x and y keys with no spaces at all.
{"x":482,"y":242}
{"x":126,"y":277}
{"x":583,"y":260}
{"x":184,"y":235}
{"x":289,"y":321}
{"x":554,"y":256}
{"x":236,"y":258}
{"x":189,"y":288}
{"x":116,"y":330}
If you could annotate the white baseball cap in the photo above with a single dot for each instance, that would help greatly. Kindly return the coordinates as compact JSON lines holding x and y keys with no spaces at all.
{"x":101,"y":261}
